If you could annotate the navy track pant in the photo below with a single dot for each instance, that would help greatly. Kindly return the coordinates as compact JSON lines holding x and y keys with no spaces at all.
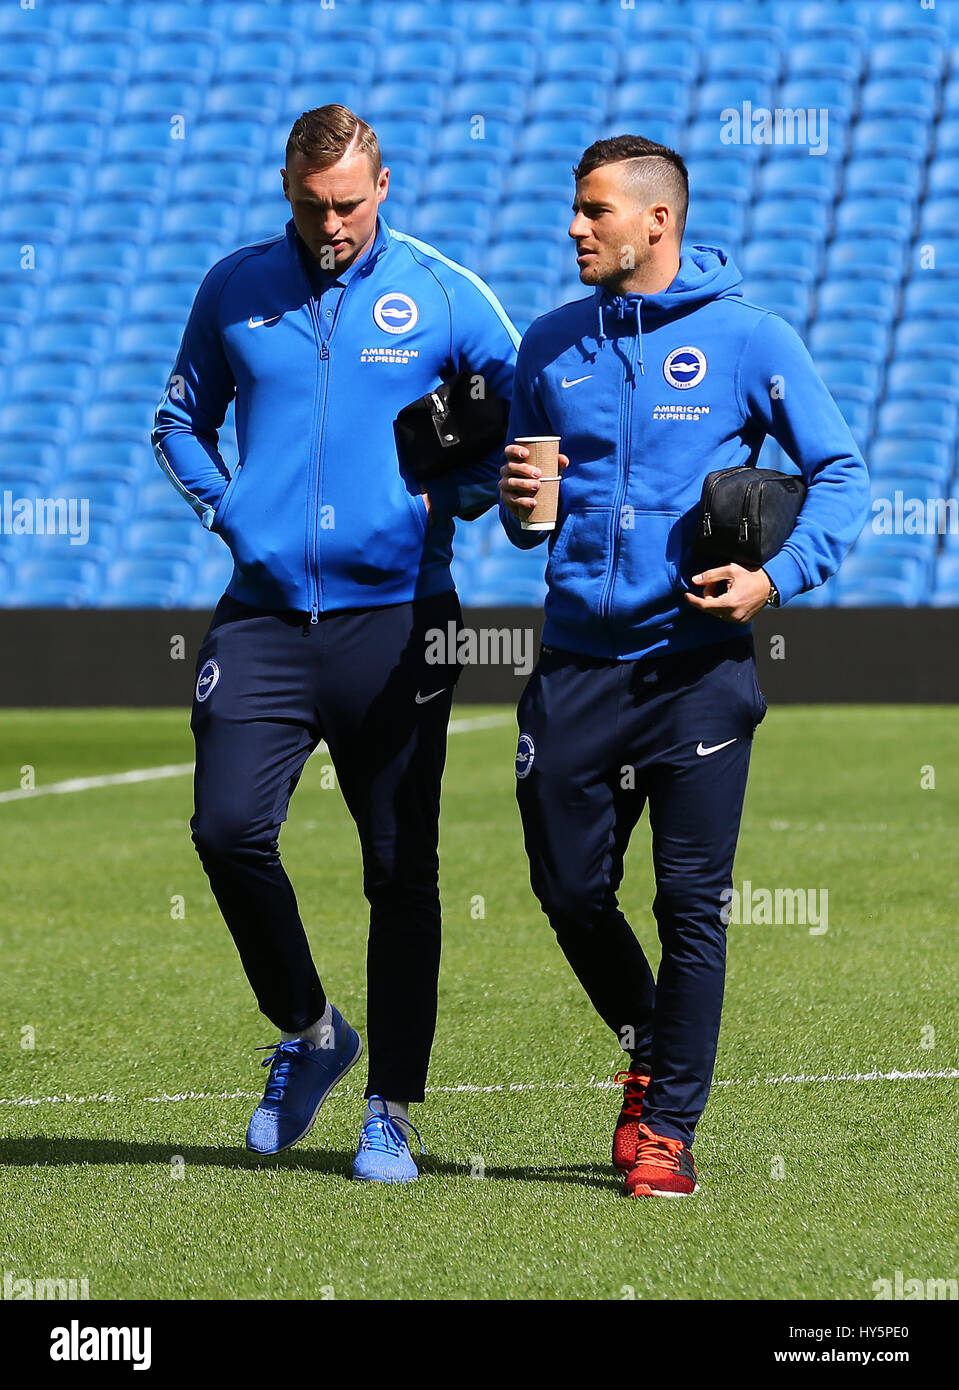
{"x":270,"y":687}
{"x":599,"y":740}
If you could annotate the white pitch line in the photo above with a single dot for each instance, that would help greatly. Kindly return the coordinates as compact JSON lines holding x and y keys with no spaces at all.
{"x":467,"y":1087}
{"x":153,"y":774}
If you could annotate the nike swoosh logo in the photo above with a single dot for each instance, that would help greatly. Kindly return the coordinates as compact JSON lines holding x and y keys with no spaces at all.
{"x":262,"y":323}
{"x":578,"y":380}
{"x":425,"y":699}
{"x":705,"y":752}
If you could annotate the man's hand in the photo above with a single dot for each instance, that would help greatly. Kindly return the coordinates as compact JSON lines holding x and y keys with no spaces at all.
{"x":429,"y":506}
{"x":732,"y":592}
{"x":519,"y":481}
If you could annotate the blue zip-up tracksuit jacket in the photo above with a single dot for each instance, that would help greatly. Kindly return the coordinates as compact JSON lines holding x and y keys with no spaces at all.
{"x":318,"y":513}
{"x":649,"y":393}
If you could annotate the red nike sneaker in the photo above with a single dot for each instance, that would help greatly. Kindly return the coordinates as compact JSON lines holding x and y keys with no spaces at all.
{"x":664,"y":1168}
{"x":626,"y":1133}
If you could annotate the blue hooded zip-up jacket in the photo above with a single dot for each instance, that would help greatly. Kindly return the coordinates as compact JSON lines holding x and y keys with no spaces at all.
{"x":649,"y":393}
{"x":318,"y":512}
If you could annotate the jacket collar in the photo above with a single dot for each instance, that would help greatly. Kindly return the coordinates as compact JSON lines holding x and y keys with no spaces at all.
{"x":381,"y":242}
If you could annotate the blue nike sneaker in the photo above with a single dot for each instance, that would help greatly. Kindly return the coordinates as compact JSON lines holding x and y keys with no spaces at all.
{"x":384,"y":1154}
{"x":302,"y":1075}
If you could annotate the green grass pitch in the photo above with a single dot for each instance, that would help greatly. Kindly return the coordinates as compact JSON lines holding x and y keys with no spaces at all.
{"x":810,"y":1189}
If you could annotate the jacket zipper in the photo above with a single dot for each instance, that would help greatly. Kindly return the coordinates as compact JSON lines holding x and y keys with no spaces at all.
{"x":708,"y":499}
{"x":313,"y":492}
{"x":316,"y":446}
{"x":625,"y":431}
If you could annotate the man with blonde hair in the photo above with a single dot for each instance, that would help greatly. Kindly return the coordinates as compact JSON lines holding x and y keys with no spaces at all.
{"x":342,"y":565}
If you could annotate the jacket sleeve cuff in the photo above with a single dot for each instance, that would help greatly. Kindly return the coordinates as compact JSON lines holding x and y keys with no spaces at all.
{"x":786,"y":574}
{"x":523,"y":540}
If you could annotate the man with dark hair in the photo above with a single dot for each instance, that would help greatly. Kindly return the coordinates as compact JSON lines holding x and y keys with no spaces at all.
{"x":342,"y":566}
{"x":645,"y":690}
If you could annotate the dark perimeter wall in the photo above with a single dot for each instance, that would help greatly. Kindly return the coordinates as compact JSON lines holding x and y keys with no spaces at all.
{"x":143,"y":657}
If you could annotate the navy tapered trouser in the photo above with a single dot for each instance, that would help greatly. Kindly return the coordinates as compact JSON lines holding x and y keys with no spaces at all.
{"x":270,"y":687}
{"x":598,"y":741}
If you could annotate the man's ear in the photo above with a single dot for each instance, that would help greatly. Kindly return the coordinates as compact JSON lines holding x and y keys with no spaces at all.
{"x":286,"y":185}
{"x":383,"y":185}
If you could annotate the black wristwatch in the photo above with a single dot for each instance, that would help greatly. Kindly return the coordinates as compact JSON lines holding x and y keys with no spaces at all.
{"x":773,"y":600}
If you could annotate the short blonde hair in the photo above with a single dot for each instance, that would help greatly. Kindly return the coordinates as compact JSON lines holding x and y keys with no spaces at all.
{"x":323,"y":136}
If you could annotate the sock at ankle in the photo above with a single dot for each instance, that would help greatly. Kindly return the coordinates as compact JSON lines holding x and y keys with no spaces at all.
{"x":398,"y":1110}
{"x":319,"y":1032}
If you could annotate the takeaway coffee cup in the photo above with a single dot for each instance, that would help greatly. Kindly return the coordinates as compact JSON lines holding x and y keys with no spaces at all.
{"x":544,"y":455}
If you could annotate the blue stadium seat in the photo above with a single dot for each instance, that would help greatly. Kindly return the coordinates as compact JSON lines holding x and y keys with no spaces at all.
{"x":187,"y":53}
{"x":102,"y":59}
{"x":52,"y":582}
{"x":212,"y":218}
{"x":939,"y":214}
{"x":731,"y":177}
{"x":125,"y":175}
{"x":651,"y":93}
{"x":24,"y":54}
{"x":839,"y":373}
{"x":947,"y":136}
{"x":755,"y":58}
{"x":947,"y":581}
{"x":871,"y":256}
{"x":162,"y":96}
{"x":417,"y":59}
{"x":502,"y":59}
{"x":27,"y":462}
{"x":914,"y":57}
{"x":793,"y":174}
{"x":80,"y":99}
{"x":33,"y":215}
{"x":145,"y":335}
{"x":505,"y":96}
{"x":879,"y":173}
{"x":792,"y":257}
{"x":106,"y":458}
{"x":139,"y":581}
{"x":244,"y":140}
{"x":49,"y":379}
{"x":898,"y":96}
{"x":80,"y":139}
{"x":875,"y":216}
{"x":922,"y":378}
{"x":826,"y":54}
{"x":783,"y":296}
{"x":779,"y":216}
{"x":933,"y":296}
{"x":101,"y":258}
{"x":907,"y":136}
{"x":942,"y":176}
{"x":478,"y":179}
{"x":85,"y":298}
{"x":668,"y":55}
{"x":135,"y":378}
{"x":858,"y":297}
{"x":917,"y":419}
{"x":578,"y":97}
{"x":404,"y":138}
{"x":257,"y":58}
{"x":165,"y":539}
{"x":938,"y":338}
{"x":929,"y":459}
{"x":246,"y":98}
